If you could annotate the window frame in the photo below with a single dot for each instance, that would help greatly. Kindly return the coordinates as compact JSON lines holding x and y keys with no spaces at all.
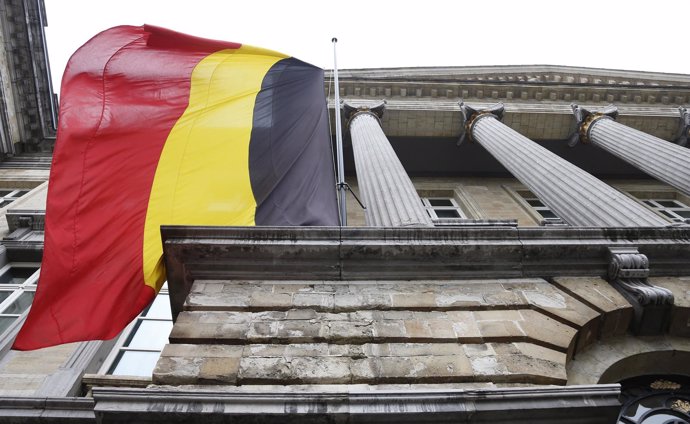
{"x":431,"y":209}
{"x":665,"y":211}
{"x":522,"y":195}
{"x":16,"y":291}
{"x":13,"y":195}
{"x":114,"y":356}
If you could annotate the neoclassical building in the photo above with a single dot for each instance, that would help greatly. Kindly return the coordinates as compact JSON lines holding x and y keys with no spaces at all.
{"x":518,"y":251}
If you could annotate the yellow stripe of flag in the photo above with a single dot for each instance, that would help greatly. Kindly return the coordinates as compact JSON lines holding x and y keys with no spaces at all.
{"x":202,"y":177}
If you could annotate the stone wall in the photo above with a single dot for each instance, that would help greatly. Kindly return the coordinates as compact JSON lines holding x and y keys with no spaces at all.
{"x":388,"y":332}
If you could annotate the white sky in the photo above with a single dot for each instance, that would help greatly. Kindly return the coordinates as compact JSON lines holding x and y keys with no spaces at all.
{"x":615,"y":34}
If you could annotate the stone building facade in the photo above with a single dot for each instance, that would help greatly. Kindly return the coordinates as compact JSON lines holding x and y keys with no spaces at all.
{"x":519,"y":259}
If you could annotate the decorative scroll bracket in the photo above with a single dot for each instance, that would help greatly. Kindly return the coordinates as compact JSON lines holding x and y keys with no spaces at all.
{"x":375,"y":110}
{"x":628,"y":272}
{"x":684,"y":127}
{"x":471,"y":115}
{"x":584,"y":120}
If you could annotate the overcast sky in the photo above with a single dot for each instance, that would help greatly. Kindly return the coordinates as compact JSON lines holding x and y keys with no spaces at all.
{"x":645,"y":36}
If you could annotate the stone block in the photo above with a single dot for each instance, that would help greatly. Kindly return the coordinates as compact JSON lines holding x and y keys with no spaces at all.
{"x":413,"y":300}
{"x":500,"y":331}
{"x":295,"y":370}
{"x":540,"y":352}
{"x":197,"y":332}
{"x":350,"y":332}
{"x":389,"y":330}
{"x":441,"y":329}
{"x":218,"y":371}
{"x":417,"y":329}
{"x":317,"y":301}
{"x":594,"y":291}
{"x":546,"y":331}
{"x":465,"y":326}
{"x":535,"y":370}
{"x":428,"y":369}
{"x":301,"y":314}
{"x":423,"y":349}
{"x":554,"y":301}
{"x":488,"y":365}
{"x":280,"y":301}
{"x":177,"y":370}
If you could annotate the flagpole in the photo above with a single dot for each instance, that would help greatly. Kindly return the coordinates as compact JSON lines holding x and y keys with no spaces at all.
{"x":342,"y":186}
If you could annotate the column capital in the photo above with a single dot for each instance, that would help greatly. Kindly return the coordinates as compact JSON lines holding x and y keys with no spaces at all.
{"x":471,"y":116}
{"x":376,"y":110}
{"x":684,"y":128}
{"x":584,"y":119}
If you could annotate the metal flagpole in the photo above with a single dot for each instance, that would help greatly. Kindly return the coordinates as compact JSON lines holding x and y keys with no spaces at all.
{"x":342,"y":186}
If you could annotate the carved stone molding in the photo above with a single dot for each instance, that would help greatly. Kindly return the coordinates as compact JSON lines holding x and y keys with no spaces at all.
{"x":628,"y":272}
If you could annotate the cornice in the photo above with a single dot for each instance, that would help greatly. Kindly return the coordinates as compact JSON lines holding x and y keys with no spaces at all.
{"x":548,"y":84}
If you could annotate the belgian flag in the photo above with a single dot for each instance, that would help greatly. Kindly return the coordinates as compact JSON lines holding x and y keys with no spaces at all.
{"x":161,"y":128}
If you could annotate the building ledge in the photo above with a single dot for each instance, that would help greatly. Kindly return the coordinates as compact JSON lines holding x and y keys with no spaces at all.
{"x":351,"y":253}
{"x":570,"y":404}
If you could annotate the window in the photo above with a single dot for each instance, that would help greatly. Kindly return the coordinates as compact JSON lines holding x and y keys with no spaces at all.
{"x":670,"y":208}
{"x":548,"y":216}
{"x":8,"y":196}
{"x":653,"y":399}
{"x":17,"y":290}
{"x":140,"y":344}
{"x":442,"y":207}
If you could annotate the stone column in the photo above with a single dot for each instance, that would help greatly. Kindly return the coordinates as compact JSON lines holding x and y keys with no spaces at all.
{"x":387,"y":191}
{"x":663,"y":160}
{"x":573,"y":194}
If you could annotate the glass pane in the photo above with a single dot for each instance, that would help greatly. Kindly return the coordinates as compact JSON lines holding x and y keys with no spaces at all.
{"x":668,"y":203}
{"x":683,"y":213}
{"x":5,"y":203}
{"x":535,"y":202}
{"x":5,"y":192}
{"x":148,"y":334}
{"x":20,"y":304}
{"x":667,"y":213}
{"x":546,"y":213}
{"x":440,"y":202}
{"x":135,"y":363}
{"x":5,"y":323}
{"x":447,"y":213}
{"x":649,"y":203}
{"x":160,"y":308}
{"x":4,"y":295}
{"x":20,"y":193}
{"x":16,"y":275}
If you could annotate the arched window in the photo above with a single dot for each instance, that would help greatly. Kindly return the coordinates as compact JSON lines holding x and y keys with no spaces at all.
{"x":655,"y":400}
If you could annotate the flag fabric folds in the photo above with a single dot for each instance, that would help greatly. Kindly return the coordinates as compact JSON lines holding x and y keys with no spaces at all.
{"x":161,"y":128}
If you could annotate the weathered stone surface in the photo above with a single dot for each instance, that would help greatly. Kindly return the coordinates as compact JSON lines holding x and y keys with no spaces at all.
{"x":351,"y":296}
{"x":546,"y":331}
{"x":370,"y":363}
{"x":601,"y":296}
{"x":553,"y":301}
{"x":622,"y":357}
{"x":680,"y":315}
{"x":295,"y":370}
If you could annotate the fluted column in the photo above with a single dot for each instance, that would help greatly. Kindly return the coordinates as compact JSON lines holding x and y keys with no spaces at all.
{"x":573,"y":194}
{"x":387,"y":191}
{"x":663,"y":160}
